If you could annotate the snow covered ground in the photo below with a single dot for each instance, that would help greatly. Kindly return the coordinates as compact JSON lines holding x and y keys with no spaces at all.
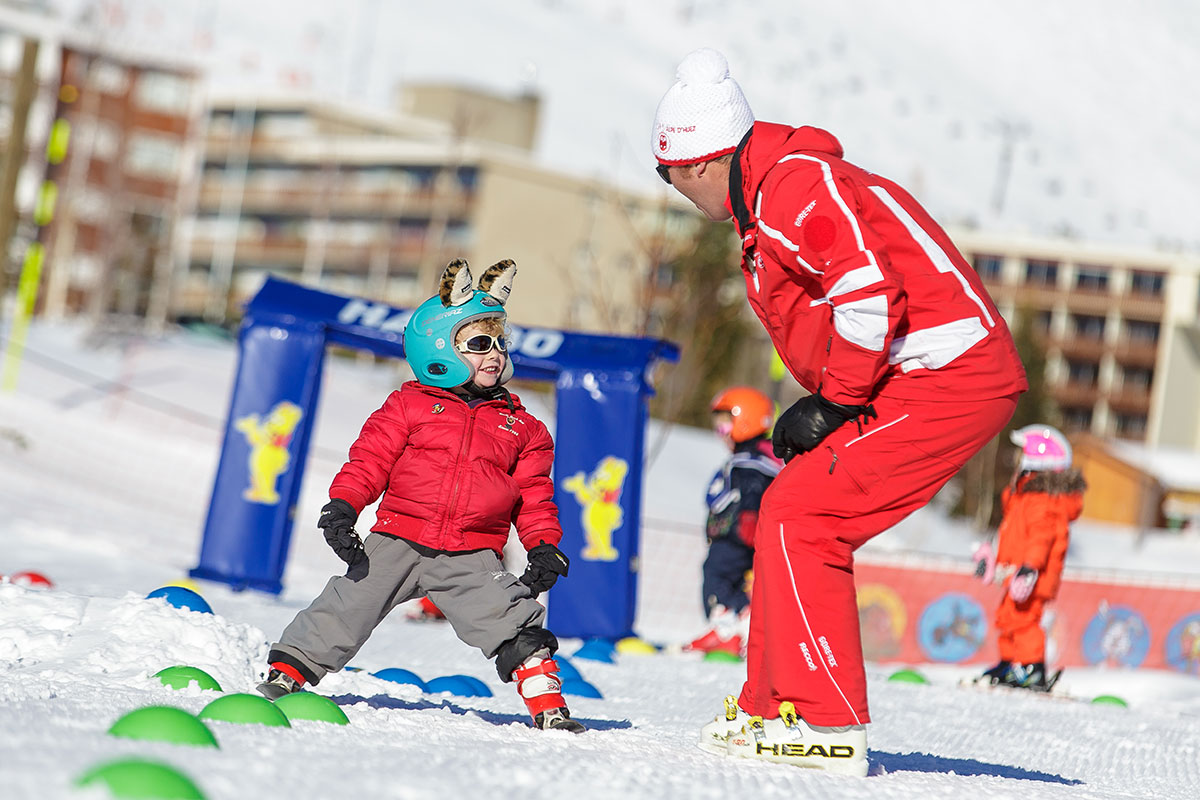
{"x":104,"y":490}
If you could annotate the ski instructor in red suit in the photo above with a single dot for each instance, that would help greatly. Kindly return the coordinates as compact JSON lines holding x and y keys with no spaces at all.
{"x":910,"y":369}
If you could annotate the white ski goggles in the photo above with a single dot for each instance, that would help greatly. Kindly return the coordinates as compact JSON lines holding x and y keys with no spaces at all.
{"x":482,"y":343}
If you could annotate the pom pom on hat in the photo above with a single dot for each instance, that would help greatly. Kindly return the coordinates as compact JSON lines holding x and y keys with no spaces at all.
{"x":703,"y":115}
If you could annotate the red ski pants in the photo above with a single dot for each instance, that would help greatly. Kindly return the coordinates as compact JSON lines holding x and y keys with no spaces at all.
{"x":1021,"y":637}
{"x":804,"y":639}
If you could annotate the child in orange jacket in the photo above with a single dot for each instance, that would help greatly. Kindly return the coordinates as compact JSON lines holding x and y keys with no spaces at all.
{"x":1045,"y":496}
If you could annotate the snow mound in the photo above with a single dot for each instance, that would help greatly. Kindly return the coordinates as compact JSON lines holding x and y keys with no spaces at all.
{"x":117,"y":642}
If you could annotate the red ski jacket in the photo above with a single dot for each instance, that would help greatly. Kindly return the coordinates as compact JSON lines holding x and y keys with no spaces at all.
{"x":856,"y":284}
{"x":453,"y":477}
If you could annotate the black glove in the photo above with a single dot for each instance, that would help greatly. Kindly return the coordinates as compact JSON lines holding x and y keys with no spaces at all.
{"x":546,"y":563}
{"x":810,"y":419}
{"x":337,"y":520}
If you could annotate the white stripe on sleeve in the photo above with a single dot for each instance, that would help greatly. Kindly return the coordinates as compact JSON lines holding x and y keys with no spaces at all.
{"x":934,"y":348}
{"x":863,"y":322}
{"x":856,"y":279}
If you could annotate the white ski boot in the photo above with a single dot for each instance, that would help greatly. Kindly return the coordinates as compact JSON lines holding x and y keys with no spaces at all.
{"x":715,"y":734}
{"x":541,"y":689}
{"x":791,"y":740}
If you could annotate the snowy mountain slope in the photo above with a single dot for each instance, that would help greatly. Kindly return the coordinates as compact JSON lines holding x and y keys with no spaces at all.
{"x":1093,"y":97}
{"x":106,"y":497}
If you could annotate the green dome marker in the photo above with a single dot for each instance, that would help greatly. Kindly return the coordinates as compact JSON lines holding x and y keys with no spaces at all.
{"x":163,"y":724}
{"x":307,"y":705}
{"x":137,"y":778}
{"x":722,"y":656}
{"x":181,"y":677}
{"x":907,"y":676}
{"x":1109,"y":700}
{"x":245,"y":709}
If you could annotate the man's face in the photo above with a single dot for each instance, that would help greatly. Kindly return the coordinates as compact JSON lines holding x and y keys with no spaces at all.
{"x":706,"y":184}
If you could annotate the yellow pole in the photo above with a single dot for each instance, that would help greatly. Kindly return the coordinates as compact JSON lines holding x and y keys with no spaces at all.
{"x":35,"y":255}
{"x":27,"y":288}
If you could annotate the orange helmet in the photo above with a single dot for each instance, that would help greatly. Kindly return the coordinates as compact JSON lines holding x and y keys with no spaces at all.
{"x":753,"y":412}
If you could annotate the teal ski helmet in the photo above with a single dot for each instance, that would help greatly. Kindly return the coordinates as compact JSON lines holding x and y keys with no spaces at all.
{"x":429,"y":335}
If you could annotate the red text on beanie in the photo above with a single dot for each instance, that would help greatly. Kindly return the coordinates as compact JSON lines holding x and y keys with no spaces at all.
{"x":702,"y":116}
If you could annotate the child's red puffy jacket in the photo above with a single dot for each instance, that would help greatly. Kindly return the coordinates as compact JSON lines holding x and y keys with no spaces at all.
{"x":453,"y":477}
{"x":1035,"y":529}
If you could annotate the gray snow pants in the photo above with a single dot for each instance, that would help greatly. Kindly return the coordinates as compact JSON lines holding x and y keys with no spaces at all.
{"x":487,"y":606}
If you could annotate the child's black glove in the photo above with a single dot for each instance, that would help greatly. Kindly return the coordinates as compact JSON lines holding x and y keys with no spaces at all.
{"x":337,"y":520}
{"x":546,"y":563}
{"x":809,"y":420}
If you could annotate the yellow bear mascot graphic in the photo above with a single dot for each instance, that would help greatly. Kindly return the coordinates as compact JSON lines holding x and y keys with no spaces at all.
{"x":269,"y":458}
{"x":599,"y":495}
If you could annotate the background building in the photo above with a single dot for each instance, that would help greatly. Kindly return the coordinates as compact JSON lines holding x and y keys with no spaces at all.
{"x":1134,"y":485}
{"x":133,"y":140}
{"x":1121,"y":329}
{"x":376,"y":204}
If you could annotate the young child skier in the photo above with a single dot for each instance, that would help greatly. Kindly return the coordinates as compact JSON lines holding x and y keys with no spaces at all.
{"x":742,"y":417}
{"x":1045,"y":495}
{"x":457,"y":459}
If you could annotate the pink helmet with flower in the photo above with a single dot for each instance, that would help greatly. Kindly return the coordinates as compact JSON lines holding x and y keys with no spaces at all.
{"x":1042,"y":448}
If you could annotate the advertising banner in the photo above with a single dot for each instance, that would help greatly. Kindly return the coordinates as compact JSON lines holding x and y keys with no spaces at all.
{"x":598,"y":480}
{"x":921,"y":612}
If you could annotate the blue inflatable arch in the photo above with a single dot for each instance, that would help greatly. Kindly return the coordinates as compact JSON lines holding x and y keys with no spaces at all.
{"x":602,"y":388}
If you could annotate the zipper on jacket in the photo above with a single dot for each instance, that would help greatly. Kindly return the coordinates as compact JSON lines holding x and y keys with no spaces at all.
{"x":458,"y":465}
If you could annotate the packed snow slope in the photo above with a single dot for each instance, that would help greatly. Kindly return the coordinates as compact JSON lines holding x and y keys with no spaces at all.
{"x":103,"y":488}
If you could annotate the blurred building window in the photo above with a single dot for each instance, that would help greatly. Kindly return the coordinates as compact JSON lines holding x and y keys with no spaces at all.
{"x":152,"y":155}
{"x":1087,"y":326}
{"x":422,"y":178}
{"x":1092,"y":278}
{"x":163,"y":92}
{"x":1137,"y":378}
{"x":1041,"y":273}
{"x":468,"y":178}
{"x":1130,"y":425}
{"x":1141,"y":331}
{"x":1142,"y":282}
{"x":1042,"y":320}
{"x":988,"y":267}
{"x":1077,"y":418}
{"x":108,"y":78}
{"x":97,"y":137}
{"x":1084,"y":373}
{"x":280,"y":227}
{"x":411,"y":231}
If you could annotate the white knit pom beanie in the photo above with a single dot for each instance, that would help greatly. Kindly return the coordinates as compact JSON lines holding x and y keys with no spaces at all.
{"x":704,"y":115}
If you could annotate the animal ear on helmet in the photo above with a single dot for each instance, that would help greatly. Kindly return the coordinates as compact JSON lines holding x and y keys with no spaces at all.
{"x":455,"y":288}
{"x":497,"y":279}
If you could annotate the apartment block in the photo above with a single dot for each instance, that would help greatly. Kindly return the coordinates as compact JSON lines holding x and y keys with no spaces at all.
{"x":376,"y":203}
{"x":1121,"y":329}
{"x":131,"y":135}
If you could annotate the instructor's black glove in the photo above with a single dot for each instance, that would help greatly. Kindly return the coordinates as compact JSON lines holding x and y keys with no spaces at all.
{"x":810,"y":419}
{"x":337,"y":520}
{"x":546,"y":563}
